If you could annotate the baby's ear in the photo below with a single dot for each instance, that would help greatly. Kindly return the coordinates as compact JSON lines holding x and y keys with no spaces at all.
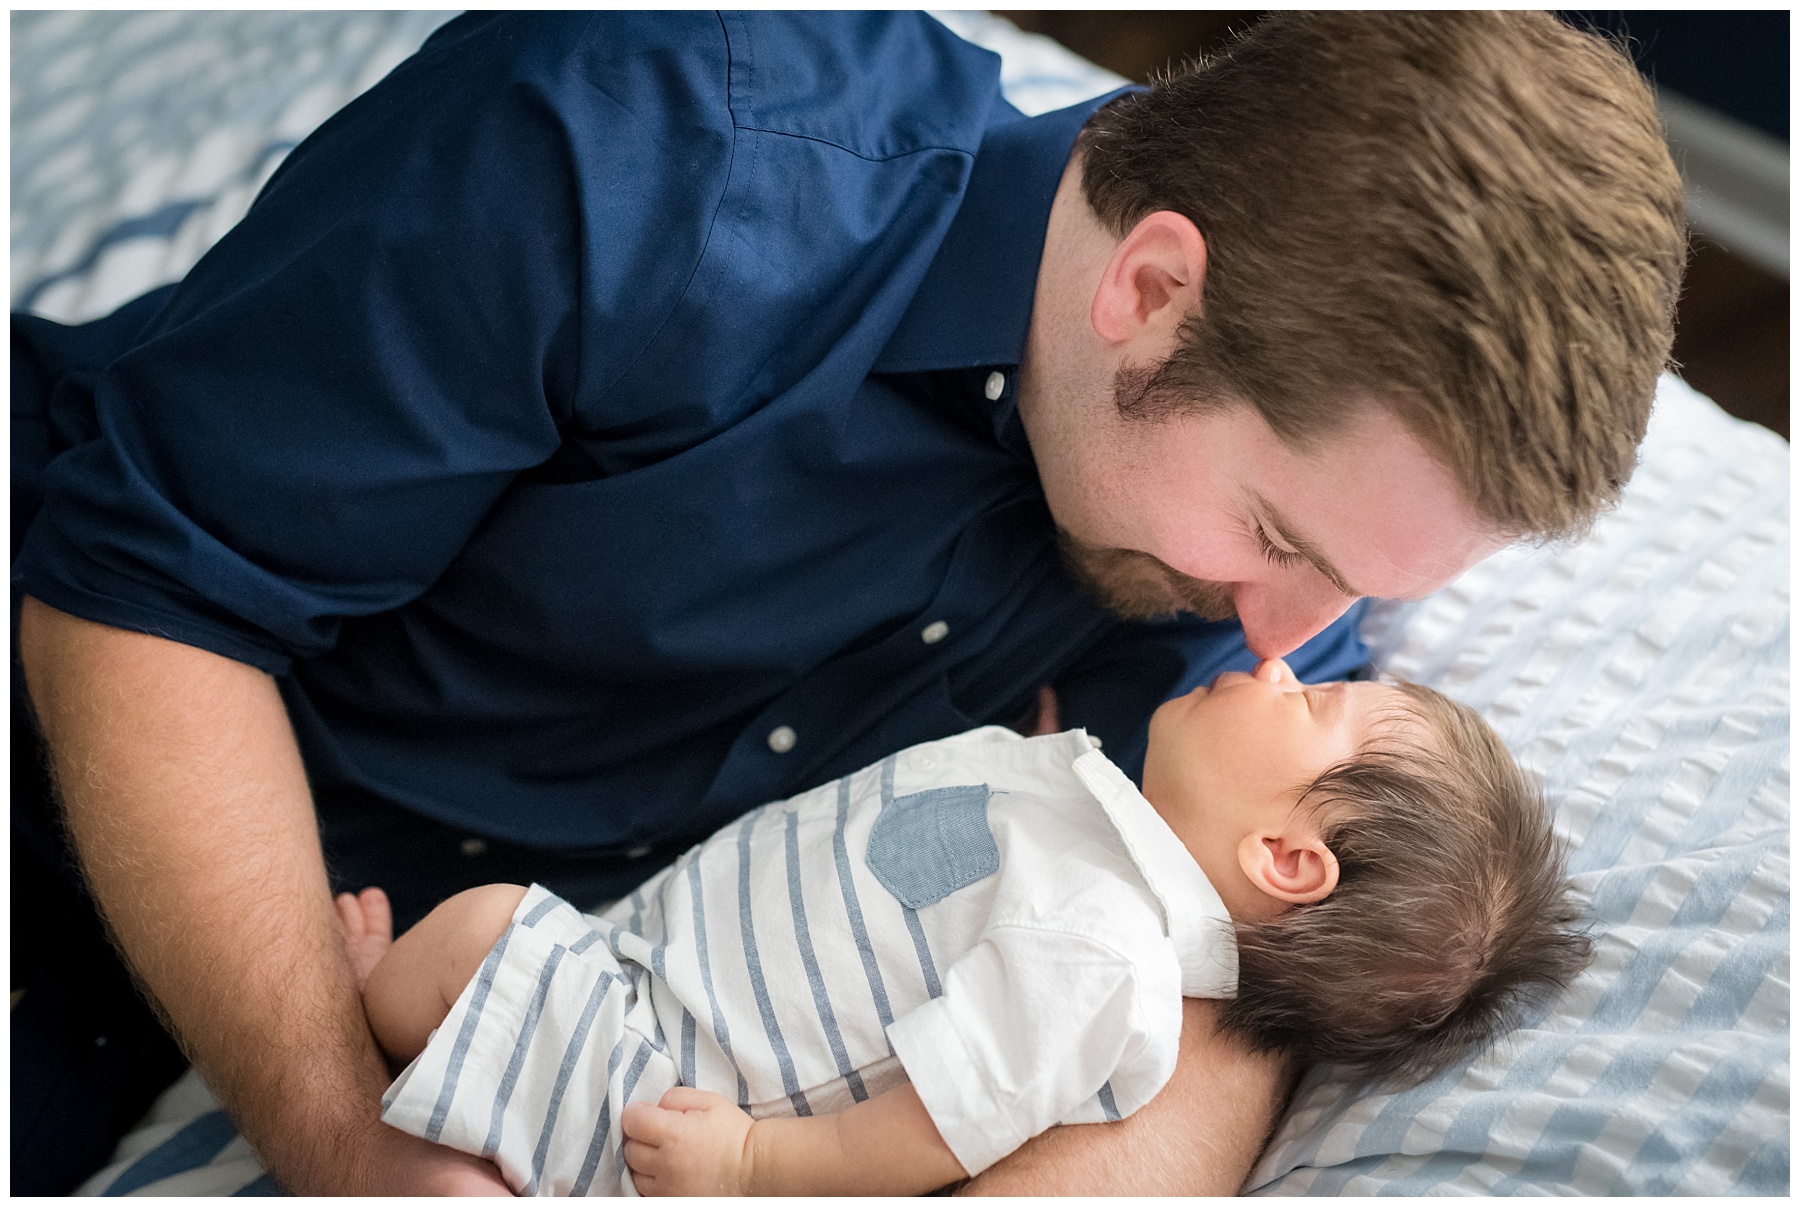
{"x":1294,"y":866}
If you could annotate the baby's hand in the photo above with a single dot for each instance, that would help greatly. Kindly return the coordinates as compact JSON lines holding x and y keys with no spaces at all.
{"x":692,"y":1143}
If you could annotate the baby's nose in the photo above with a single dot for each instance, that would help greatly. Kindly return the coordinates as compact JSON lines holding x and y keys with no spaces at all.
{"x":1273,"y":670}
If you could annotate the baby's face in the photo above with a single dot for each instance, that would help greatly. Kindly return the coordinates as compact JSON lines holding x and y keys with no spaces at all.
{"x":1240,"y":752}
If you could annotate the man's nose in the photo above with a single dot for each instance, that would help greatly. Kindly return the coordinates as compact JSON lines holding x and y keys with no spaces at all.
{"x":1279,"y":620}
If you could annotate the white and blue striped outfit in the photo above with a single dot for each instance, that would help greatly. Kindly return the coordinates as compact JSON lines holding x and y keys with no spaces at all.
{"x":1005,"y":921}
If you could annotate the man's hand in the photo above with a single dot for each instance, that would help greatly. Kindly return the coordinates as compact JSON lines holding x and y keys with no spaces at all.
{"x":692,"y":1142}
{"x":187,"y":803}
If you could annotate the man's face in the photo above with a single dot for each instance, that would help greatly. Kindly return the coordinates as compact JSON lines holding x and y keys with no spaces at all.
{"x":1213,"y":514}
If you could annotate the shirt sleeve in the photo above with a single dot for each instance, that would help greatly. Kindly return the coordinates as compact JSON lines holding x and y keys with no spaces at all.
{"x":1031,"y":1024}
{"x":331,"y":402}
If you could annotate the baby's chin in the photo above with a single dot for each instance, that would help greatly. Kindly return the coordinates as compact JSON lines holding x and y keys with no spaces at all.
{"x":1175,"y":704}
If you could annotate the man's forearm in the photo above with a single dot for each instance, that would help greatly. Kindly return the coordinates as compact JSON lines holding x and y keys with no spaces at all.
{"x":188,"y":806}
{"x":885,"y":1145}
{"x":1199,"y":1136}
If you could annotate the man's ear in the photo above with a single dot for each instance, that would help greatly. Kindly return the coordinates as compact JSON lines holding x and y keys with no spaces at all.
{"x":1292,"y":866}
{"x":1153,"y":281}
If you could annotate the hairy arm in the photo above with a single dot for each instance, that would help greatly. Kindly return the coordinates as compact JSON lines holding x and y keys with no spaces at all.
{"x":188,"y":807}
{"x":1199,"y":1136}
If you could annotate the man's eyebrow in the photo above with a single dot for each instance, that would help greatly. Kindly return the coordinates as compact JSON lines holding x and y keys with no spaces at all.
{"x":1303,"y":547}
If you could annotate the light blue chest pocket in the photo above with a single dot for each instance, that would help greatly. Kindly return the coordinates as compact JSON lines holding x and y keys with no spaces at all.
{"x":925,"y":846}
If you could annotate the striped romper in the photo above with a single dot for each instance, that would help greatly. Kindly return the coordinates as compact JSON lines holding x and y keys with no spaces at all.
{"x":1004,"y":921}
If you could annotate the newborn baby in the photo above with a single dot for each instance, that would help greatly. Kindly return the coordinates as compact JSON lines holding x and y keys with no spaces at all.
{"x":890,"y":982}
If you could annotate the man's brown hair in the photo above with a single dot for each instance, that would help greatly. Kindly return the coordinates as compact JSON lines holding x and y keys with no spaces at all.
{"x":1450,"y":915}
{"x":1470,"y":217}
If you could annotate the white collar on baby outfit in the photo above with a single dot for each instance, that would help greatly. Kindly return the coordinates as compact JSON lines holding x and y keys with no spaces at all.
{"x":1199,"y":925}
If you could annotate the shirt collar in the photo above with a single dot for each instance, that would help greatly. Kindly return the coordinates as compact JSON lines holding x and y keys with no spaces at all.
{"x":973,"y":307}
{"x":1199,"y":925}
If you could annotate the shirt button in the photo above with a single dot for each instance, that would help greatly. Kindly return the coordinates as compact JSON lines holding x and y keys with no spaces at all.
{"x":934,"y":632}
{"x":474,"y":846}
{"x":637,"y":852}
{"x":782,"y":739}
{"x":996,"y":385}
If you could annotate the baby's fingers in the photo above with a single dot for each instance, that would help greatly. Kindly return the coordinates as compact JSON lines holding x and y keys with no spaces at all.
{"x":686,"y":1098}
{"x":647,"y":1125}
{"x":646,"y":1159}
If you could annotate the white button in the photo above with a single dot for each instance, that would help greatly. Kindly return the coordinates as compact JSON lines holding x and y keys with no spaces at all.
{"x":474,"y":846}
{"x":996,"y":385}
{"x":934,"y":632}
{"x":637,"y":852}
{"x":1095,"y":739}
{"x":782,"y":739}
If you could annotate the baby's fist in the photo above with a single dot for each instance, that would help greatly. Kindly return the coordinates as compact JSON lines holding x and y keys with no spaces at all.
{"x":691,"y":1143}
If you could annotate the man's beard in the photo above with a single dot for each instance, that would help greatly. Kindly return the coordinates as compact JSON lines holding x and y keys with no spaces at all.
{"x":1136,"y":586}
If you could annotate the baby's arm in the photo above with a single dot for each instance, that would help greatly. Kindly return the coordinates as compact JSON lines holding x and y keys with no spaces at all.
{"x":419,"y":977}
{"x":696,"y":1142}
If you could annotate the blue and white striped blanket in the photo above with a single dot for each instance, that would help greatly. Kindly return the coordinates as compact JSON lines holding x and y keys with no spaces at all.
{"x":1642,"y":672}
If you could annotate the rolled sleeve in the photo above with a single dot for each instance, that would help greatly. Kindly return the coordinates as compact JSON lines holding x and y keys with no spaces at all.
{"x":1030,"y":1025}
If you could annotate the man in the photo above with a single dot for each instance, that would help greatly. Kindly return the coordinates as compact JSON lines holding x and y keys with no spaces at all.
{"x":610,"y":422}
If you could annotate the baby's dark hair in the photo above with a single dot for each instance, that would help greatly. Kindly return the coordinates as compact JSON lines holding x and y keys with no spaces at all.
{"x":1450,"y":914}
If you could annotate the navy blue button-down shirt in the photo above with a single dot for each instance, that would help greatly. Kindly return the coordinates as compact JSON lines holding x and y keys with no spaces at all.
{"x":590,"y":427}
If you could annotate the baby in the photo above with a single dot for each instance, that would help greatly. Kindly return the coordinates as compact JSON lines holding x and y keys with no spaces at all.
{"x":888,"y":983}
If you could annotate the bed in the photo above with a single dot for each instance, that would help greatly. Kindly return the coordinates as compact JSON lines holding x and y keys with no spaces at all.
{"x":1642,"y":672}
